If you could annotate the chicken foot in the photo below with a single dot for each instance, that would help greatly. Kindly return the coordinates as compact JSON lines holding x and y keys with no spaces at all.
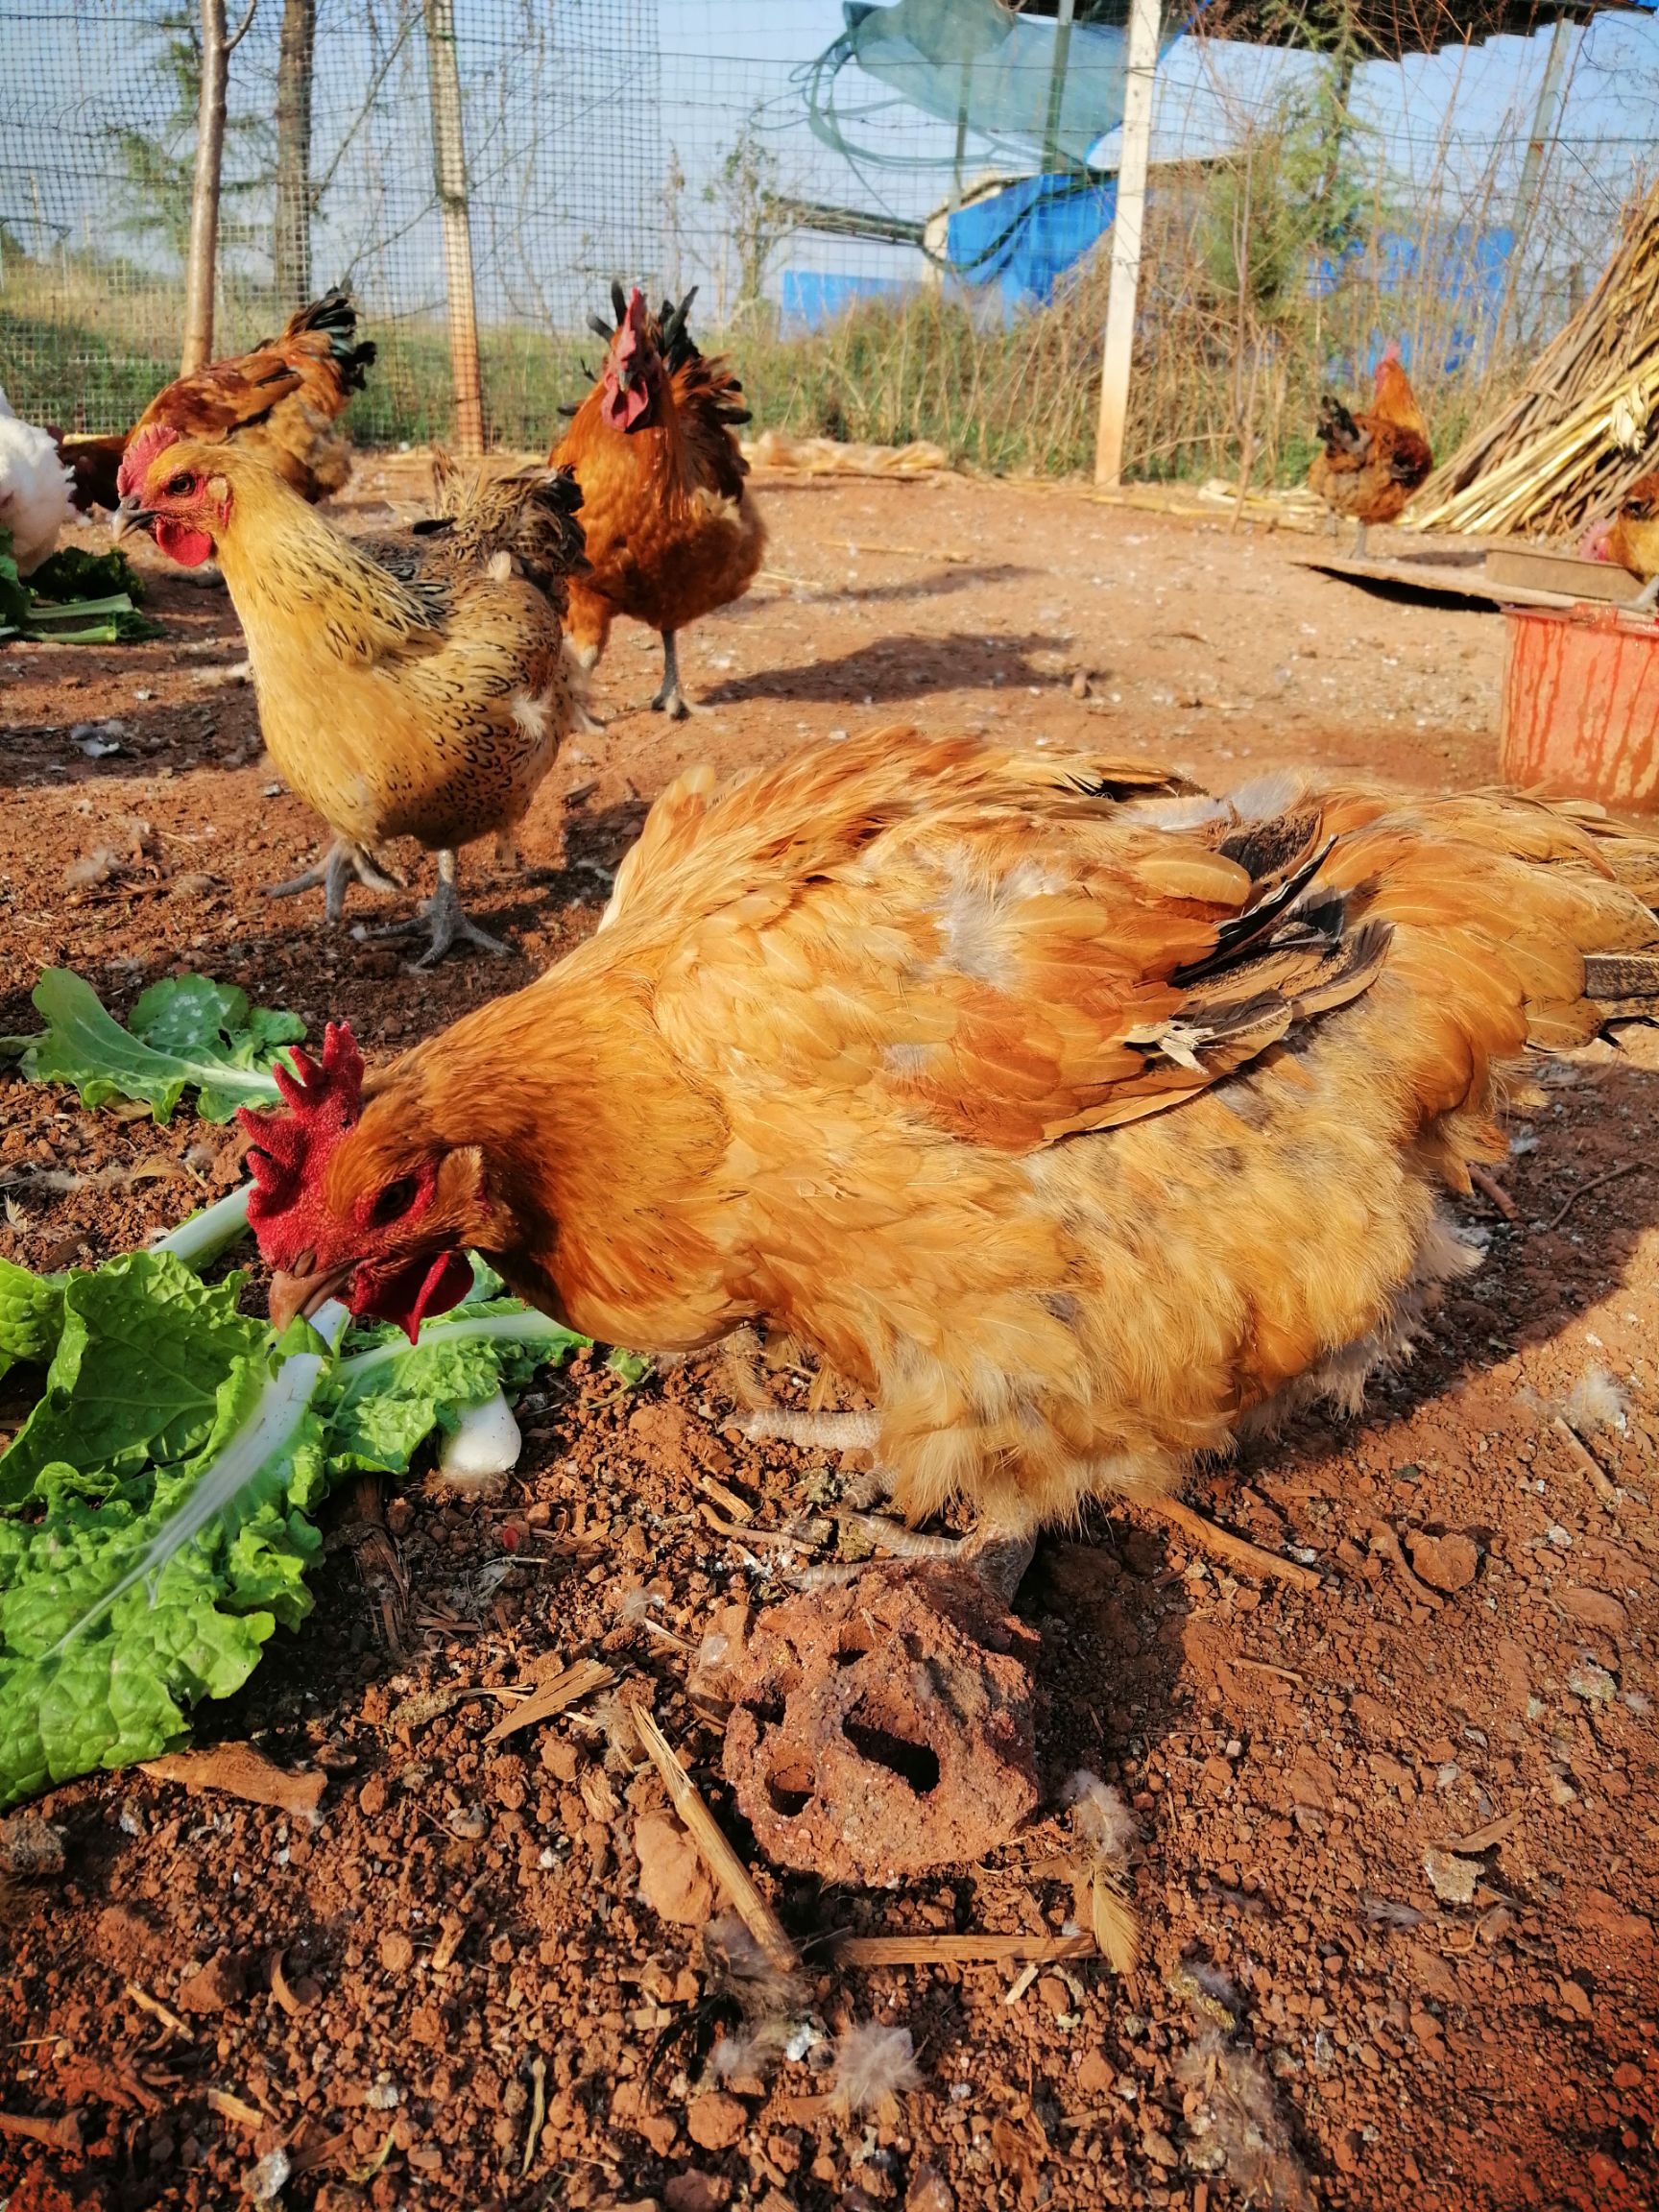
{"x":1359,"y":543}
{"x":994,"y":1556}
{"x":445,"y":920}
{"x":670,"y":700}
{"x":343,"y":859}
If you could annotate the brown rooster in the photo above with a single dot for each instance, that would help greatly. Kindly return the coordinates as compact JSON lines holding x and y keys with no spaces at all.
{"x":282,"y":400}
{"x":672,"y":532}
{"x":417,"y":689}
{"x":1372,"y":463}
{"x":1083,"y":1120}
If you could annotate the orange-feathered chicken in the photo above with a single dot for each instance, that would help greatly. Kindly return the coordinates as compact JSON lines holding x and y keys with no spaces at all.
{"x":411,"y":690}
{"x":285,"y":400}
{"x":672,"y":531}
{"x":1078,"y":1116}
{"x":1372,"y":463}
{"x":1631,"y":536}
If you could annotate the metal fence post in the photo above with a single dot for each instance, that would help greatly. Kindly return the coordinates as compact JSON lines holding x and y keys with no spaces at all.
{"x":450,"y":161}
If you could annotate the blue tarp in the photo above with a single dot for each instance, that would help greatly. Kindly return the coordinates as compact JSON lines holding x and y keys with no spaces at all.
{"x":810,"y":298}
{"x":1025,"y":238}
{"x":1474,"y":269}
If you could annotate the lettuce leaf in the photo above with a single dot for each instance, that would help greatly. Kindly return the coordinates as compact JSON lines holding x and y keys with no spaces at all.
{"x":186,"y":1033}
{"x":31,"y":1314}
{"x":135,"y":1377}
{"x":157,"y":1508}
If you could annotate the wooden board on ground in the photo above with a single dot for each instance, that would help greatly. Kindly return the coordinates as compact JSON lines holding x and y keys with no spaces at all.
{"x":1465,"y":573}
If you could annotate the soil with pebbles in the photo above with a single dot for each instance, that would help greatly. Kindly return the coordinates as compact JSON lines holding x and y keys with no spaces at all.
{"x":449,"y":1991}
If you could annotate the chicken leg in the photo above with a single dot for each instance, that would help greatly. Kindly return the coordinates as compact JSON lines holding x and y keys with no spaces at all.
{"x":670,"y":700}
{"x":344,"y":859}
{"x":445,"y":920}
{"x":1360,"y":541}
{"x":859,"y":1433}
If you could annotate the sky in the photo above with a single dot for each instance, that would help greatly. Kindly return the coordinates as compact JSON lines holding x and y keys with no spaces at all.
{"x":597,"y":130}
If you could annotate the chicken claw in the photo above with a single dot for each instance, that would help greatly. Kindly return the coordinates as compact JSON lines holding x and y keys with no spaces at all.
{"x":343,"y":859}
{"x":994,"y":1556}
{"x":670,"y":700}
{"x":446,"y":920}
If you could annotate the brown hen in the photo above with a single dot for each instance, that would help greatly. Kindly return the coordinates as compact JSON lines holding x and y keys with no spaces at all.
{"x":1081,"y":1119}
{"x":283,"y":400}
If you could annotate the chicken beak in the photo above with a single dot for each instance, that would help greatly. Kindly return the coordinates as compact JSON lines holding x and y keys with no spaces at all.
{"x":129,"y":515}
{"x":291,"y":1294}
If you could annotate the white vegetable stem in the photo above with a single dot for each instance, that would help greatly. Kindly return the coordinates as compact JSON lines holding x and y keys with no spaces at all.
{"x":199,"y":1241}
{"x":484,"y":1444}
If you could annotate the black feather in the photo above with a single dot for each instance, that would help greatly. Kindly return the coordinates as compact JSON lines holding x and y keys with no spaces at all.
{"x":600,"y":328}
{"x":618,"y":301}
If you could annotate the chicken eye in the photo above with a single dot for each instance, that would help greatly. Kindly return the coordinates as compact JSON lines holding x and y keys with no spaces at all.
{"x":393,"y":1202}
{"x":178,"y":486}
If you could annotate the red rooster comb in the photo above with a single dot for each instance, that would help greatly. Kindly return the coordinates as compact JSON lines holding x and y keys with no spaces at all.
{"x":1390,"y":354}
{"x":135,"y":460}
{"x":291,"y":1142}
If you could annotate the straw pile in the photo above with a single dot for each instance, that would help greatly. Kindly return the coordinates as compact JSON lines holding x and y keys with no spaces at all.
{"x":1584,"y":425}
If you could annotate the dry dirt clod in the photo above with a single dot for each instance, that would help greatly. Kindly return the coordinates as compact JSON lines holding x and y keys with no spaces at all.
{"x":1446,"y":1563}
{"x":883,"y":1728}
{"x":672,"y":1880}
{"x":1452,"y":1879}
{"x":30,"y":1846}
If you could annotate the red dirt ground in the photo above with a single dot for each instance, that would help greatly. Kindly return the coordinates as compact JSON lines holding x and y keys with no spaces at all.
{"x":386,"y":1996}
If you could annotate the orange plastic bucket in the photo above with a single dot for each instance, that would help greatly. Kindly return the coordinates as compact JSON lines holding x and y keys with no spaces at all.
{"x":1581,"y":704}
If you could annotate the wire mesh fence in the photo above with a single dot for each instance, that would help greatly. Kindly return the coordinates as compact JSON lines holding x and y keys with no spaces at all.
{"x":899,"y":226}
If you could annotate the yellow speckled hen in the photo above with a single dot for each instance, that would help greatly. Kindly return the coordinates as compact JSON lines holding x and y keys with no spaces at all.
{"x":1081,"y":1117}
{"x":410,"y":689}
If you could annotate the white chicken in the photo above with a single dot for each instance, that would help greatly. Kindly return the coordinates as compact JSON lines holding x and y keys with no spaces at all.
{"x":33,"y":490}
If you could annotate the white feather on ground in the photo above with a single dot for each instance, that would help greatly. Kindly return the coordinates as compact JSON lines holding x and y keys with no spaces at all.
{"x":1595,"y":1402}
{"x":1106,"y":1829}
{"x":874,"y":2067}
{"x":33,"y":490}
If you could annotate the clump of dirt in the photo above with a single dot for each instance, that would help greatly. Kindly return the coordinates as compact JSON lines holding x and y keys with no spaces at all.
{"x":886,"y":1727}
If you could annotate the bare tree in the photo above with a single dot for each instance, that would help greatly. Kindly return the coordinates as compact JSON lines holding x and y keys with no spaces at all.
{"x":291,"y":244}
{"x":202,"y":267}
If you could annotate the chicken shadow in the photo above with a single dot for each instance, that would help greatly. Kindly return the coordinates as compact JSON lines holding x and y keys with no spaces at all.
{"x":898,"y":668}
{"x":1536,"y":1275}
{"x":937,"y":584}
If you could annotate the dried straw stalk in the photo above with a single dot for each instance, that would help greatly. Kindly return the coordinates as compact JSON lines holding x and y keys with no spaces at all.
{"x":1583,"y":426}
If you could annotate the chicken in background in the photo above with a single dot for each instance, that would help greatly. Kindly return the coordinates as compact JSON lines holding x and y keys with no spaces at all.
{"x":415,"y":690}
{"x":282,"y":400}
{"x":672,"y":532}
{"x":35,"y":498}
{"x":1630,"y":537}
{"x":1086,"y":1121}
{"x":1372,"y":463}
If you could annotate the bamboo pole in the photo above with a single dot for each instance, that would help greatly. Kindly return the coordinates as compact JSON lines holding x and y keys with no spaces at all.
{"x":202,"y":266}
{"x":1127,"y":224}
{"x":449,"y":162}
